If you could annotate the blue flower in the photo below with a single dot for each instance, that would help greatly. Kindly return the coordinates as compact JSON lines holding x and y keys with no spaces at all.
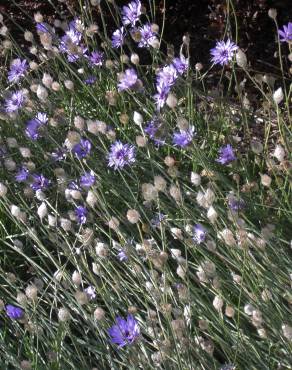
{"x":131,"y":13}
{"x":223,"y":52}
{"x":96,"y":58}
{"x":118,"y":37}
{"x":125,"y":332}
{"x":87,"y":179}
{"x":22,"y":175}
{"x":14,"y":312}
{"x":122,"y":255}
{"x":147,"y":36}
{"x":121,"y":155}
{"x":184,"y":137}
{"x":127,"y":79}
{"x":199,"y":233}
{"x":82,"y":149}
{"x":33,"y":125}
{"x":40,"y":182}
{"x":286,"y":33}
{"x":81,"y":214}
{"x":226,"y":155}
{"x":90,"y":292}
{"x":181,"y":64}
{"x":18,"y":68}
{"x":15,"y":101}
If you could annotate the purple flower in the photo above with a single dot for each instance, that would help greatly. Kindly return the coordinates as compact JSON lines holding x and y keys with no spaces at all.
{"x":127,"y":79}
{"x":39,"y":182}
{"x":184,"y":137}
{"x":90,"y":80}
{"x":87,"y":179}
{"x":22,"y":175}
{"x":121,"y":155}
{"x":167,"y":76}
{"x":15,"y":101}
{"x":286,"y":34}
{"x":161,"y":96}
{"x":73,"y":186}
{"x":96,"y":58}
{"x":14,"y":312}
{"x":81,"y":214}
{"x":90,"y":292}
{"x":43,"y":27}
{"x":71,"y":43}
{"x":181,"y":64}
{"x":157,"y":220}
{"x":155,"y":131}
{"x":147,"y":36}
{"x":118,"y":37}
{"x":199,"y":233}
{"x":131,"y":13}
{"x":226,"y":155}
{"x":18,"y":68}
{"x":59,"y":154}
{"x":223,"y":52}
{"x":122,"y":255}
{"x":82,"y":149}
{"x":32,"y":127}
{"x":236,"y":204}
{"x":125,"y":332}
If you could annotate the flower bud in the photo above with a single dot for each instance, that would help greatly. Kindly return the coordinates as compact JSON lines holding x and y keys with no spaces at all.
{"x":241,"y":59}
{"x":138,"y":118}
{"x":63,"y":314}
{"x":278,"y":95}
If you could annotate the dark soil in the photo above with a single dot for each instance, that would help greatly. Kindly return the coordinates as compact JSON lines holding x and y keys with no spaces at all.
{"x":203,"y":20}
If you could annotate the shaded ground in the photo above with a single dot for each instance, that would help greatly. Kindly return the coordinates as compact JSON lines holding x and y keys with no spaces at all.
{"x":204,"y":20}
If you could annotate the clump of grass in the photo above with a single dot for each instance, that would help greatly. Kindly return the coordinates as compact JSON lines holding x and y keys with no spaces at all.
{"x":145,"y":220}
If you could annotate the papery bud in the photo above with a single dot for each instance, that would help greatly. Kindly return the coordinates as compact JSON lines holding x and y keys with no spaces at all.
{"x":171,"y":100}
{"x":241,"y":59}
{"x":42,"y":210}
{"x":63,"y":314}
{"x":272,"y":13}
{"x":99,"y":314}
{"x":279,"y":153}
{"x":69,"y":84}
{"x":278,"y":95}
{"x":81,"y":297}
{"x":266,"y":180}
{"x":218,"y":303}
{"x":135,"y":58}
{"x":212,"y":214}
{"x":3,"y":190}
{"x":138,"y":118}
{"x":42,"y":93}
{"x":76,"y":278}
{"x":133,"y":216}
{"x":31,"y":292}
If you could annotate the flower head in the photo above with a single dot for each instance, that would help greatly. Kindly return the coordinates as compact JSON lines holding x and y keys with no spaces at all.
{"x":122,"y":255}
{"x":18,"y":68}
{"x":155,"y":131}
{"x":125,"y":332}
{"x":40,"y":182}
{"x":121,"y":155}
{"x":33,"y":125}
{"x":226,"y":155}
{"x":90,"y":80}
{"x":87,"y":179}
{"x":90,"y":292}
{"x":22,"y":175}
{"x":167,"y":76}
{"x":131,"y":12}
{"x":81,"y":214}
{"x":286,"y":34}
{"x":14,"y":312}
{"x":15,"y":101}
{"x":118,"y":37}
{"x":147,"y":36}
{"x":82,"y":149}
{"x":223,"y":52}
{"x":184,"y":137}
{"x":199,"y":233}
{"x":181,"y":64}
{"x":96,"y":58}
{"x":128,"y":79}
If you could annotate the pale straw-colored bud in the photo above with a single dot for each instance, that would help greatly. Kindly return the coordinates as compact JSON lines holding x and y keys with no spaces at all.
{"x":218,"y":303}
{"x":81,"y":297}
{"x":266,"y":180}
{"x":182,"y":123}
{"x":42,"y":210}
{"x":56,"y":86}
{"x":65,"y":224}
{"x":241,"y":59}
{"x":287,"y":331}
{"x":279,"y":153}
{"x":10,"y":164}
{"x":38,"y":17}
{"x":12,"y":142}
{"x":278,"y":95}
{"x":33,"y":65}
{"x":272,"y":13}
{"x":63,"y":314}
{"x":169,"y":161}
{"x":79,"y":122}
{"x":91,"y":198}
{"x":141,"y":141}
{"x":21,"y":298}
{"x":3,"y":190}
{"x":114,"y":223}
{"x":76,"y":278}
{"x":28,"y":36}
{"x":159,"y":183}
{"x":149,"y":192}
{"x":31,"y":292}
{"x":52,"y":220}
{"x":124,"y":58}
{"x":101,"y":249}
{"x":42,"y":93}
{"x":175,"y":193}
{"x":25,"y":152}
{"x":25,"y":365}
{"x":229,"y":311}
{"x":135,"y":59}
{"x":15,"y":211}
{"x":212,"y":214}
{"x":171,"y":100}
{"x":138,"y":118}
{"x":69,"y":84}
{"x":99,"y":314}
{"x":228,"y":238}
{"x":133,"y":216}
